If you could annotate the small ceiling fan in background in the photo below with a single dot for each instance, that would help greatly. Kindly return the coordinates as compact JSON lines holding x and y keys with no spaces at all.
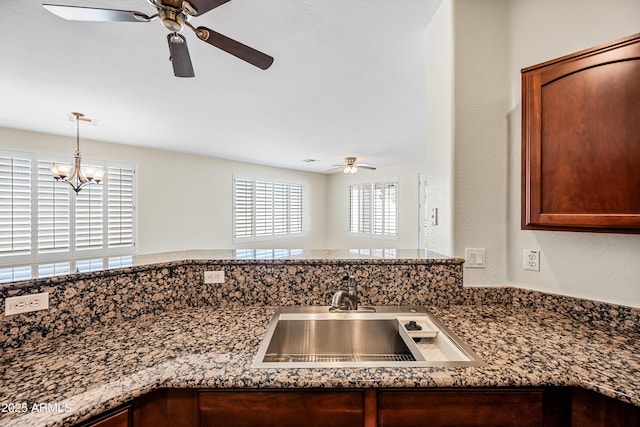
{"x":351,"y":166}
{"x":174,"y":15}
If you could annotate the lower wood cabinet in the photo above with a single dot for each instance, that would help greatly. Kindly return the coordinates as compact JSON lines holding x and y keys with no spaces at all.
{"x":438,"y":407}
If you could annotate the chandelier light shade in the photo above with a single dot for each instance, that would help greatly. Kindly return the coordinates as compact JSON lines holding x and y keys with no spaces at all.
{"x":77,"y":176}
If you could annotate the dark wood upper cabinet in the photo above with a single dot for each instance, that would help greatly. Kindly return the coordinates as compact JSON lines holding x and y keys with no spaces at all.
{"x":581,"y":141}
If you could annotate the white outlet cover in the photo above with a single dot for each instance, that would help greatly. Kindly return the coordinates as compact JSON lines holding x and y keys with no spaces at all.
{"x":214,"y":277}
{"x":531,"y":260}
{"x":26,"y":303}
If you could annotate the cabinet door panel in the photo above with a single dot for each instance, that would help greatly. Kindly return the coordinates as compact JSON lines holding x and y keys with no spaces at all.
{"x":590,"y":409}
{"x":460,"y":408}
{"x":282,"y":408}
{"x":580,"y":141}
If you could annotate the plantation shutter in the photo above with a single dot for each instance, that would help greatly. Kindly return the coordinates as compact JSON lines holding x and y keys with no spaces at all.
{"x":295,"y":208}
{"x":365,"y":204}
{"x":390,"y":218}
{"x":267,"y":209}
{"x":89,"y":218}
{"x":45,"y":220}
{"x":264,"y":208}
{"x":280,"y":208}
{"x":15,"y":206}
{"x":378,"y":208}
{"x":373,"y":208}
{"x":243,"y":207}
{"x":120,"y":207}
{"x":54,"y":220}
{"x":354,"y":208}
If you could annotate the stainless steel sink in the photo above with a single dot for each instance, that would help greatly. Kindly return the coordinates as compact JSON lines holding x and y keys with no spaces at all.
{"x":315,"y":337}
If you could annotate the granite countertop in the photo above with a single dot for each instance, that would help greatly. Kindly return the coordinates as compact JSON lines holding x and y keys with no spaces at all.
{"x":85,"y":374}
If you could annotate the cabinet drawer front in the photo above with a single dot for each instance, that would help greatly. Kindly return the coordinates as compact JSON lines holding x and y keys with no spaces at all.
{"x":120,"y":419}
{"x":458,"y":408}
{"x":281,"y":408}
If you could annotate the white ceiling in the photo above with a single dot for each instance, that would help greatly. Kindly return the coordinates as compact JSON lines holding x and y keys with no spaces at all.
{"x":348,"y":79}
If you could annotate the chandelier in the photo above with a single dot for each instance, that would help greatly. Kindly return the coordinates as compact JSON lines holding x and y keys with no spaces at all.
{"x":77,"y":176}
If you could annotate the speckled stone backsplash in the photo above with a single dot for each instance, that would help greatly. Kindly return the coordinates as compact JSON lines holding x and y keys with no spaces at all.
{"x":80,"y":301}
{"x":585,"y":311}
{"x":84,"y":300}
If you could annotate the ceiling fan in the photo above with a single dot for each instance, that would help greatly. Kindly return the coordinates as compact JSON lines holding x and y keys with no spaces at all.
{"x":174,"y":15}
{"x":351,"y":166}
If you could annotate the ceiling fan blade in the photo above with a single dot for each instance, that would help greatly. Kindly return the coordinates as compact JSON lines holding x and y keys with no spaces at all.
{"x":366,"y":167}
{"x":235,"y":48}
{"x":180,"y":58}
{"x":204,"y":6}
{"x":78,"y":13}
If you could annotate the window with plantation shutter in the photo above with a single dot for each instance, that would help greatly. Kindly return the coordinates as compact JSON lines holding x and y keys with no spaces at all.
{"x":354,"y":208}
{"x":266,"y":209}
{"x":243,"y":208}
{"x":120,"y":208}
{"x":15,"y":206}
{"x":280,"y":208}
{"x":263,"y":207}
{"x":295,"y":208}
{"x":54,"y":216}
{"x":373,"y":209}
{"x":90,"y":218}
{"x":365,"y":209}
{"x":45,"y":220}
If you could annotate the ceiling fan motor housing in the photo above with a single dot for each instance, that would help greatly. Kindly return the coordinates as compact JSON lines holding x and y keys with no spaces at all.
{"x":173,"y":20}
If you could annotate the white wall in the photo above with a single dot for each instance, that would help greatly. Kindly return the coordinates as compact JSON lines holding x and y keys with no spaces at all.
{"x":338,"y":208}
{"x":481,"y":102}
{"x":440,"y":128}
{"x":493,"y":40}
{"x":184,"y":201}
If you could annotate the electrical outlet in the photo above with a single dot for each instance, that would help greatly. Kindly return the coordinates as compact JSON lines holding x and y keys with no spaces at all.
{"x":214,"y":277}
{"x":531,"y":260}
{"x":26,"y":303}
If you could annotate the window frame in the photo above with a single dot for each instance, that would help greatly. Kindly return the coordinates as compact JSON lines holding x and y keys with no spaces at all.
{"x":370,"y":234}
{"x":273,"y":236}
{"x":71,"y":253}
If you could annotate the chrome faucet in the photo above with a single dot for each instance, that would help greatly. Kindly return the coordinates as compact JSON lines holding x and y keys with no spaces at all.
{"x":346,"y":300}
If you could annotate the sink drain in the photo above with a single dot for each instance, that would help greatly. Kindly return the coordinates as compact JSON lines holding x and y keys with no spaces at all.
{"x":323,"y":358}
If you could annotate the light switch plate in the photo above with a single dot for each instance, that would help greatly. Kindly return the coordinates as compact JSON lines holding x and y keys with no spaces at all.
{"x":434,"y":216}
{"x":474,"y":257}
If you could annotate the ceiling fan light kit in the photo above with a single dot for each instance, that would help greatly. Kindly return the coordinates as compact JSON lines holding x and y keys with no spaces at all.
{"x":174,"y":16}
{"x":351,"y":166}
{"x":77,"y":176}
{"x":350,"y":169}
